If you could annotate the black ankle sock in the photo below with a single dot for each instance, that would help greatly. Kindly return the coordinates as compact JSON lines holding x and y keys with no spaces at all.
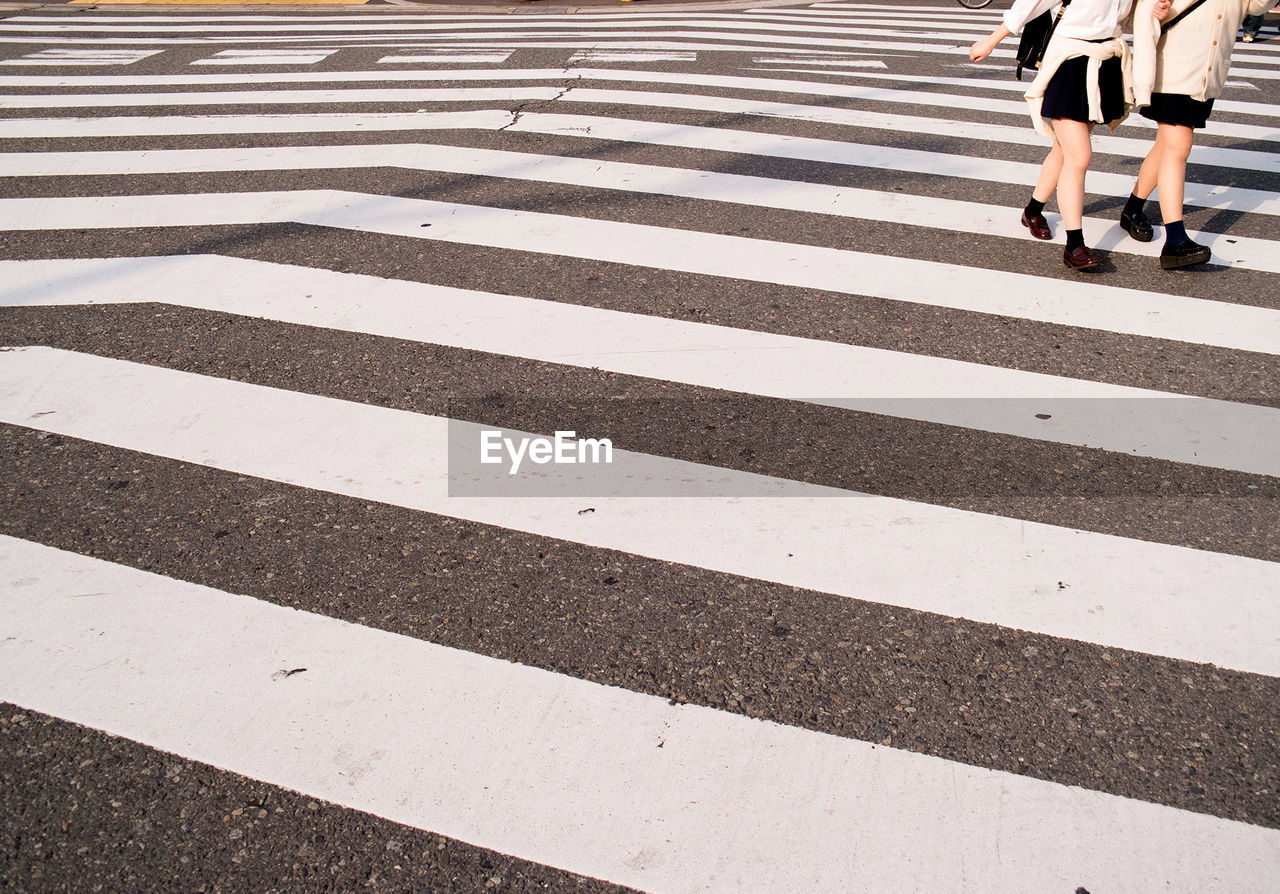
{"x":1033,"y":208}
{"x":1075,"y":239}
{"x":1134,"y":206}
{"x":1175,"y":234}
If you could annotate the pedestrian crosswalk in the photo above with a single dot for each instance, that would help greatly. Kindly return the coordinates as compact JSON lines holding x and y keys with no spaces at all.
{"x":920,"y":562}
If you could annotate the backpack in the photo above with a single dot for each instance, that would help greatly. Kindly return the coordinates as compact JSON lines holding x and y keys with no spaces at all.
{"x":1035,"y":38}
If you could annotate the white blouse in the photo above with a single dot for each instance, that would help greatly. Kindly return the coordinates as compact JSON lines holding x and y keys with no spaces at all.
{"x":1084,"y":19}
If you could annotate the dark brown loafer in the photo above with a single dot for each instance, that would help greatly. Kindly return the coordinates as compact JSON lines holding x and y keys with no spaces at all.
{"x":1079,"y":258}
{"x":1038,"y":226}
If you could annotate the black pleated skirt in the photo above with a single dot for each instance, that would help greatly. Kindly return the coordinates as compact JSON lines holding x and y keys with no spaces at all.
{"x":1178,"y":108}
{"x":1066,"y":95}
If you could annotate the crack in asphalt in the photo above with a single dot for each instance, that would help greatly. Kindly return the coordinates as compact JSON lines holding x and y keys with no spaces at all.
{"x":533,"y":104}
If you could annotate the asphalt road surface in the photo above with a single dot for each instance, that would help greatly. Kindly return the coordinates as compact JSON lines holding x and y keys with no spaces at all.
{"x":899,"y":557}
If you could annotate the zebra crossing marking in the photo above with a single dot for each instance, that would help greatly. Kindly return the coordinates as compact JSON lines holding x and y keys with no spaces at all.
{"x":1269,"y":110}
{"x":598,"y":780}
{"x":1158,"y":599}
{"x":718,"y":139}
{"x":1216,"y":128}
{"x":782,"y":263}
{"x":604,"y":26}
{"x":1111,"y":145}
{"x":816,"y":198}
{"x":1171,"y":601}
{"x":1127,"y":420}
{"x":977,"y":103}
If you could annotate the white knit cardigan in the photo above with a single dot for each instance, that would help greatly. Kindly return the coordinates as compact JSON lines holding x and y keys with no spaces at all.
{"x":1061,"y":49}
{"x":1194,"y":57}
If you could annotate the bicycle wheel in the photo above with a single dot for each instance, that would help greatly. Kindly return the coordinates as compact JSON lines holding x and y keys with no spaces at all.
{"x":974,"y":4}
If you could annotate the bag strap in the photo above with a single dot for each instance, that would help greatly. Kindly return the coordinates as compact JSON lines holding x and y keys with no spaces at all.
{"x":1164,"y":29}
{"x":1058,"y":18}
{"x":1044,"y":42}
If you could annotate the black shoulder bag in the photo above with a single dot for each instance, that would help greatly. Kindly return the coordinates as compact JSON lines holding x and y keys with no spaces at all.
{"x":1035,"y":38}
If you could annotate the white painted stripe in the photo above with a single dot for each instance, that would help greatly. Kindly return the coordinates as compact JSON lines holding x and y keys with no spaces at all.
{"x":75,"y":54}
{"x":885,"y":9}
{"x":901,"y":279}
{"x":738,"y":27}
{"x":173,"y":125}
{"x":748,"y":41}
{"x":786,"y":19}
{"x":597,"y":780}
{"x":845,"y":63}
{"x":1265,"y":74}
{"x":511,"y":42}
{"x":585,"y":44}
{"x":275,"y":97}
{"x":804,"y":87}
{"x":282,"y":52}
{"x":353,"y":16}
{"x":436,"y":57}
{"x":913,"y":24}
{"x":267,"y":57}
{"x":1102,"y":145}
{"x":1269,"y":110}
{"x":891,"y":95}
{"x":1206,"y":195}
{"x":82,"y":57}
{"x":1164,"y":600}
{"x":753,"y":29}
{"x":448,"y":25}
{"x":101,"y":15}
{"x":1134,"y":148}
{"x":921,"y":211}
{"x":764,"y":8}
{"x":633,"y":56}
{"x":594,"y":127}
{"x":1213,"y":128}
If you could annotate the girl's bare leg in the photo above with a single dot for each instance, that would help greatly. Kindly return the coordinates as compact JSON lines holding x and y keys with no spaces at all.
{"x":1180,"y":250}
{"x":1149,"y":173}
{"x":1073,"y":138}
{"x":1134,"y":218}
{"x":1049,"y":173}
{"x":1174,"y":141}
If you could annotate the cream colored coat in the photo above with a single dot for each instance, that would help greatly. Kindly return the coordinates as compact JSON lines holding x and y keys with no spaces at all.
{"x":1193,"y":58}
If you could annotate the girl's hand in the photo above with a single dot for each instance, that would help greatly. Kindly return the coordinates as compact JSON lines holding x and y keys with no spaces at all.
{"x":981,"y":49}
{"x":1161,"y":9}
